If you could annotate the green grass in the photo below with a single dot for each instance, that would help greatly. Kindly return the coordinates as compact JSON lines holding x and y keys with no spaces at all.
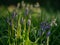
{"x":27,"y":35}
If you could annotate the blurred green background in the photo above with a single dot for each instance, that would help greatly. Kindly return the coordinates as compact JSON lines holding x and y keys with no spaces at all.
{"x":49,"y":8}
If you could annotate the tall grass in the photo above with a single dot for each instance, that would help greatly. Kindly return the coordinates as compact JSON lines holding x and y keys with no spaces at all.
{"x":21,"y":32}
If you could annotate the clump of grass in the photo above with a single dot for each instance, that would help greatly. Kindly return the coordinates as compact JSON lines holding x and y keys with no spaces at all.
{"x":29,"y":25}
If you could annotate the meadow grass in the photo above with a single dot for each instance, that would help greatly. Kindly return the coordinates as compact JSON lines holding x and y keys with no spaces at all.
{"x":24,"y":33}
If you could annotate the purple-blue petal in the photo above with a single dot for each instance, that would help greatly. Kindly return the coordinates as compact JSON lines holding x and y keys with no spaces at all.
{"x":44,"y":26}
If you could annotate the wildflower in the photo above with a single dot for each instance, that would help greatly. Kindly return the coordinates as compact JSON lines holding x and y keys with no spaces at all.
{"x":37,"y":5}
{"x":9,"y":21}
{"x":53,"y":22}
{"x":18,"y":5}
{"x":26,"y":11}
{"x":14,"y":14}
{"x":23,"y":4}
{"x":45,"y":26}
{"x":29,"y":22}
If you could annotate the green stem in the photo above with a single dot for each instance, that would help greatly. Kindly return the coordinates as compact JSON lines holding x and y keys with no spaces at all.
{"x":24,"y":32}
{"x":27,"y":40}
{"x":12,"y":28}
{"x":37,"y":40}
{"x":47,"y":40}
{"x":24,"y":26}
{"x":23,"y":41}
{"x":9,"y":35}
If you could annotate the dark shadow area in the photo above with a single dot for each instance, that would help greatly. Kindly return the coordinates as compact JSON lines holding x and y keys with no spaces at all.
{"x":53,"y":4}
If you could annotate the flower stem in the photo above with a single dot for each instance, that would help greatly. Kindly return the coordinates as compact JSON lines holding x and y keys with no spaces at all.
{"x":24,"y":32}
{"x":47,"y":40}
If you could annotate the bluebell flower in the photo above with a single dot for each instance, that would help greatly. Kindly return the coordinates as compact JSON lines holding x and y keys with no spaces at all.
{"x":9,"y":21}
{"x":45,"y":26}
{"x":26,"y":11}
{"x":29,"y":22}
{"x":14,"y":14}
